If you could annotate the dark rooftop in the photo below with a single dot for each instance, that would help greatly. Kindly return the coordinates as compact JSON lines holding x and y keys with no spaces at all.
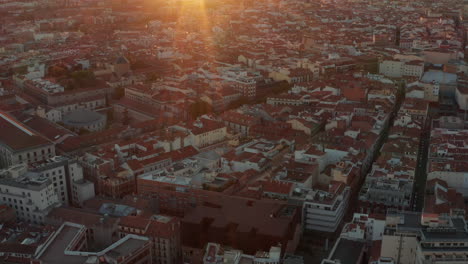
{"x":348,"y":251}
{"x":17,"y":136}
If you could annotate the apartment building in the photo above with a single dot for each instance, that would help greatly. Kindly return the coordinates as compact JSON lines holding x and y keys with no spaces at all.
{"x":163,"y":231}
{"x":398,"y":69}
{"x":324,"y":210}
{"x":32,"y":195}
{"x":67,"y":178}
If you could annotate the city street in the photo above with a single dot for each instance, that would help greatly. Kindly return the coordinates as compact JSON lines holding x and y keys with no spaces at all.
{"x":421,"y":169}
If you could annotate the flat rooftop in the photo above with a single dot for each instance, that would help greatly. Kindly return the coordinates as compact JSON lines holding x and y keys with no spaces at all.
{"x":55,"y":251}
{"x":348,"y":251}
{"x":126,"y":248}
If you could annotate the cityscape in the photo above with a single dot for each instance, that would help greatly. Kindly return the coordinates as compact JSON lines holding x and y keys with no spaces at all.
{"x":233,"y":132}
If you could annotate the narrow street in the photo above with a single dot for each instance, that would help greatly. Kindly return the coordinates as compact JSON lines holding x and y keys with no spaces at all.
{"x":421,"y":168}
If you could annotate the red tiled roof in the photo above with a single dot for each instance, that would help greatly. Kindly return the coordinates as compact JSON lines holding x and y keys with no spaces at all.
{"x":274,"y":186}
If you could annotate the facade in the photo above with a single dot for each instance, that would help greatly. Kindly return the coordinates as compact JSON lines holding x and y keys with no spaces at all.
{"x":461,"y":97}
{"x":32,"y":195}
{"x":68,"y":180}
{"x":448,"y":158}
{"x":400,"y":238}
{"x":75,"y":98}
{"x":383,"y":190}
{"x":203,"y":132}
{"x":18,"y":144}
{"x":411,"y":237}
{"x":215,"y":254}
{"x":417,"y":108}
{"x":238,"y":122}
{"x":69,"y":245}
{"x":7,"y":214}
{"x":444,"y":244}
{"x":162,"y":231}
{"x":398,"y":69}
{"x":324,"y":210}
{"x":455,"y":173}
{"x":85,"y":119}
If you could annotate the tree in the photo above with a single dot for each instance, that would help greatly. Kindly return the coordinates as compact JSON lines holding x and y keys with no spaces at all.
{"x":83,"y":78}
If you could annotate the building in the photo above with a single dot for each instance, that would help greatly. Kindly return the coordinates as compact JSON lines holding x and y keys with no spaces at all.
{"x":447,"y":82}
{"x":67,"y":176}
{"x":204,"y":132}
{"x":417,"y":108}
{"x":411,"y":237}
{"x":216,"y":254}
{"x":455,"y":173}
{"x":21,"y":241}
{"x":400,"y":238}
{"x":461,"y":97}
{"x":346,"y":251}
{"x":69,"y":245}
{"x":85,"y":119}
{"x":387,"y":189}
{"x":162,"y":231}
{"x":7,"y":214}
{"x":256,"y":225}
{"x":101,"y":229}
{"x":54,"y":96}
{"x":19,"y":144}
{"x":32,"y":195}
{"x":440,"y":200}
{"x":445,"y":242}
{"x":238,"y":122}
{"x":121,"y":66}
{"x":324,"y":210}
{"x":448,"y":158}
{"x":399,"y":69}
{"x":369,"y":227}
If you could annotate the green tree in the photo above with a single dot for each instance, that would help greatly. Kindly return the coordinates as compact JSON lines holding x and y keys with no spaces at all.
{"x":83,"y":78}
